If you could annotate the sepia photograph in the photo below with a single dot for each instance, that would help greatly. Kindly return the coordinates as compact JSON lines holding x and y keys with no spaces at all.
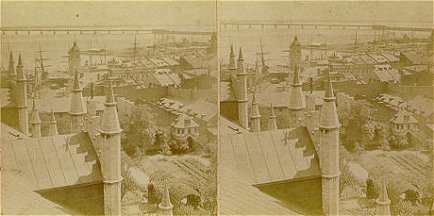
{"x":216,"y":107}
{"x":325,"y":108}
{"x":109,"y":108}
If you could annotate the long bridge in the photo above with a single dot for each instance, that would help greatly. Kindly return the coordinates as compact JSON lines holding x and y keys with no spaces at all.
{"x":316,"y":25}
{"x":96,"y":30}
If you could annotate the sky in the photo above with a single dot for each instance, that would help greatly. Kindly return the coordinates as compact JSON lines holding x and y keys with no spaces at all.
{"x":366,"y":11}
{"x":107,"y":13}
{"x":191,"y":13}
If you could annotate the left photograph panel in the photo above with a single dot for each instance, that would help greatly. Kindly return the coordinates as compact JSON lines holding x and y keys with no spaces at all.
{"x":109,"y":108}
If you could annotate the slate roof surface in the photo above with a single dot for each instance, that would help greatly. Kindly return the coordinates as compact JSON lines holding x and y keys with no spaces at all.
{"x":237,"y":197}
{"x":52,"y":162}
{"x":271,"y":156}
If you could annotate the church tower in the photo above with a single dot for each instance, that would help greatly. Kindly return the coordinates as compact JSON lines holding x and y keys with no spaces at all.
{"x":110,"y":131}
{"x":296,"y":101}
{"x":74,"y":58}
{"x":383,"y":201}
{"x":22,"y":98}
{"x":76,"y":107}
{"x":294,"y":54}
{"x":232,"y":66}
{"x":329,"y":152}
{"x":242,"y":92}
{"x":272,"y":125}
{"x":36,"y":120}
{"x":52,"y":129}
{"x":255,"y":117}
{"x":165,"y":206}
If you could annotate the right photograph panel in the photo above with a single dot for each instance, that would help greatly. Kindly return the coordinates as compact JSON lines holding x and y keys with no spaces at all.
{"x":326,"y":108}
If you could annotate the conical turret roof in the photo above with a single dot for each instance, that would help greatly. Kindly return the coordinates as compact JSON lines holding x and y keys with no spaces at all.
{"x":254,"y":112}
{"x":76,"y":106}
{"x":53,"y":118}
{"x":165,"y":203}
{"x":35,"y":113}
{"x":20,"y":72}
{"x":11,"y":65}
{"x":110,"y":119}
{"x":240,"y":56}
{"x":232,"y":59}
{"x":272,"y":114}
{"x":328,"y":115}
{"x":384,"y":196}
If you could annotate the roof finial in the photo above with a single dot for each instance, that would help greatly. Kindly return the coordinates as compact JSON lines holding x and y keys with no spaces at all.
{"x":240,"y":57}
{"x":110,"y":95}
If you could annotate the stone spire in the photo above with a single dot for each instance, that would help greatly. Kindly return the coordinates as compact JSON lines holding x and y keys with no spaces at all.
{"x":242,"y":97}
{"x":76,"y":107}
{"x":36,"y":120}
{"x":110,"y":131}
{"x":21,"y":95}
{"x":255,"y":117}
{"x":383,"y":201}
{"x":11,"y":70}
{"x":52,"y":129}
{"x":329,"y":152}
{"x":272,"y":125}
{"x":296,"y":101}
{"x":165,"y":206}
{"x":232,"y":59}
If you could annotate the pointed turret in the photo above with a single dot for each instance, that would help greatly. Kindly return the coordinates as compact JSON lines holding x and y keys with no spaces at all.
{"x":232,"y":65}
{"x":52,"y":130}
{"x":296,"y":101}
{"x":76,"y":107}
{"x":11,"y":71}
{"x":36,"y":120}
{"x":255,"y":117}
{"x":383,"y":201}
{"x":329,"y":116}
{"x":329,"y":153}
{"x":241,"y":88}
{"x":272,"y":125}
{"x":21,"y":97}
{"x":165,"y":206}
{"x":110,"y":131}
{"x":110,"y":119}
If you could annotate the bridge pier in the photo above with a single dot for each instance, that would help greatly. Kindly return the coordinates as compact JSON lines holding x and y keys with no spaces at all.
{"x":4,"y":33}
{"x":250,"y":26}
{"x":41,"y":32}
{"x":275,"y":26}
{"x":289,"y":26}
{"x":343,"y":27}
{"x":262,"y":26}
{"x":81,"y":32}
{"x":28,"y":32}
{"x":302,"y":26}
{"x":316,"y":26}
{"x":67,"y":32}
{"x":108,"y":32}
{"x":94,"y":32}
{"x":238,"y":26}
{"x":16,"y":32}
{"x":123,"y":32}
{"x":54,"y":32}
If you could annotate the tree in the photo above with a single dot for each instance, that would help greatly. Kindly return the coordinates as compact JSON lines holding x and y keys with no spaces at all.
{"x":135,"y":127}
